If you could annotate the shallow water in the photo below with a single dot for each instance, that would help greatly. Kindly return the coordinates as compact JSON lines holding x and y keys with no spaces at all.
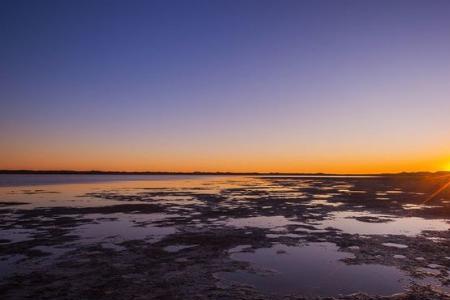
{"x":409,"y":226}
{"x":33,"y":180}
{"x":259,"y":222}
{"x":124,"y":227}
{"x":314,"y":269}
{"x":290,"y":227}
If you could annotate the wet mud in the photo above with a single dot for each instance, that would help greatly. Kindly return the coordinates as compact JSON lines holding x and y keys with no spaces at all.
{"x":177,"y":243}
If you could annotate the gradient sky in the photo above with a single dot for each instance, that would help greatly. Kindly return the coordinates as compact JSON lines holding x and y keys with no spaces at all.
{"x":289,"y":86}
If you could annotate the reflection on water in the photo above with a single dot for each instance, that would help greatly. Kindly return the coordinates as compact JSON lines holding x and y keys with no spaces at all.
{"x":410,"y":226}
{"x":74,"y":190}
{"x":8,"y":264}
{"x":53,"y":179}
{"x":259,"y":222}
{"x":282,"y":212}
{"x":176,"y":248}
{"x":15,"y":235}
{"x":120,"y":227}
{"x":314,"y":269}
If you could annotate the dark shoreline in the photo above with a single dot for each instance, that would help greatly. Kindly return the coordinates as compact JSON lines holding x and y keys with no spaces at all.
{"x":95,"y":172}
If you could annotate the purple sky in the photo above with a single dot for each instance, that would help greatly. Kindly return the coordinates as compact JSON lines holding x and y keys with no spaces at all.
{"x":330,"y":86}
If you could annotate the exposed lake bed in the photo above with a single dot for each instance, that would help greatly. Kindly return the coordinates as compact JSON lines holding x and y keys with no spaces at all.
{"x":226,"y":237}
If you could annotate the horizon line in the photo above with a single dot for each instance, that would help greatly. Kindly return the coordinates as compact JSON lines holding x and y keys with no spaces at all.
{"x":112,"y":172}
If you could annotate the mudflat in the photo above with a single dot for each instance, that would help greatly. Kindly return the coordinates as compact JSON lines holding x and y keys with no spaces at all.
{"x":225,"y":237}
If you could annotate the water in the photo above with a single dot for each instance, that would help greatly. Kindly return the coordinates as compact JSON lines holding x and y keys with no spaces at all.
{"x":123,"y":227}
{"x":314,"y":269}
{"x":284,"y":226}
{"x":50,"y":179}
{"x":259,"y":222}
{"x":409,"y":226}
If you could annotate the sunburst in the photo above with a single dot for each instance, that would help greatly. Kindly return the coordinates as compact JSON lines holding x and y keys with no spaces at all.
{"x":438,"y":191}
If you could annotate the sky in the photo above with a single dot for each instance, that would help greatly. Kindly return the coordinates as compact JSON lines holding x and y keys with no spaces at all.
{"x":250,"y":85}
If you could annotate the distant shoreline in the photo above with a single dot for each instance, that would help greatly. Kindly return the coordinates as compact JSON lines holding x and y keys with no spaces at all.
{"x":95,"y":172}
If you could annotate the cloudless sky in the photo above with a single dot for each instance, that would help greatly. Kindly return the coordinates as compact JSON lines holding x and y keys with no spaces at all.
{"x":289,"y":86}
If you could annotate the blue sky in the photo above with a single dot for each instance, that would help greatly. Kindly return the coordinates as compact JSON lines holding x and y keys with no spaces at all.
{"x":347,"y":86}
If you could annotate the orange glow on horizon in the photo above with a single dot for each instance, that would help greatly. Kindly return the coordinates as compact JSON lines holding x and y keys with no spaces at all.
{"x":224,"y":156}
{"x":249,"y":163}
